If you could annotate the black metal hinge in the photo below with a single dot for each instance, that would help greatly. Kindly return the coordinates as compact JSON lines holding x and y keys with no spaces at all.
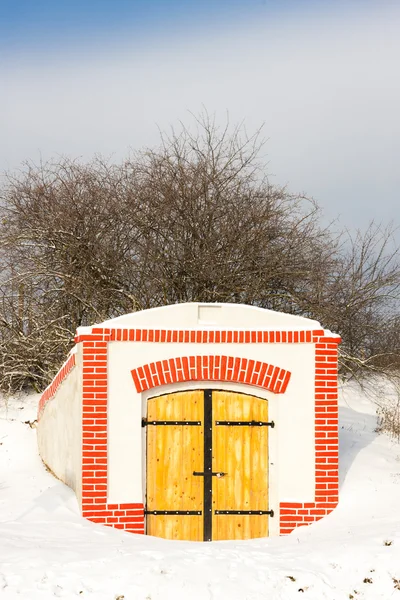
{"x":247,"y":423}
{"x":244,"y":512}
{"x":145,"y":422}
{"x":173,"y":512}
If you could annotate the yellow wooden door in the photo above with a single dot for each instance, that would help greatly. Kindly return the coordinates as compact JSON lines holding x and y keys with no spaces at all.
{"x":240,"y":451}
{"x":174,"y":452}
{"x":207,"y":466}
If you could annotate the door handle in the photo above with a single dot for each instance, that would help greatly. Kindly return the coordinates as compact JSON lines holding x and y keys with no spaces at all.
{"x":218,"y":474}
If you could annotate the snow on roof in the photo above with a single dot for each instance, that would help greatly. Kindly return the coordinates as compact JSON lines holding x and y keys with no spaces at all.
{"x":197,"y":315}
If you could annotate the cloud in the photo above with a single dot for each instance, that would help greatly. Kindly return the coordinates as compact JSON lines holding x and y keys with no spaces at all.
{"x":325,"y":85}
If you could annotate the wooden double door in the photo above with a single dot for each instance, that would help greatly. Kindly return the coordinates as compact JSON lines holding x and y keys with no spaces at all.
{"x":207,"y":466}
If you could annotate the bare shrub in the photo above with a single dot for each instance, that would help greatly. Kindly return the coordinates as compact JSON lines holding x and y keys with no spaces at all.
{"x":387,"y":400}
{"x":194,"y":220}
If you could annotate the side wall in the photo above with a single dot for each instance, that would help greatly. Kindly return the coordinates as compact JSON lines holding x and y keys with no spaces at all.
{"x":59,"y":427}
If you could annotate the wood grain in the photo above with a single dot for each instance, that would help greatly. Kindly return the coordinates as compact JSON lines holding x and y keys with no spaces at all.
{"x":173,"y":453}
{"x":241,"y":452}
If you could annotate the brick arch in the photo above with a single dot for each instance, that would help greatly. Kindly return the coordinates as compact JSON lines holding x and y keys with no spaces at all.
{"x":211,"y":368}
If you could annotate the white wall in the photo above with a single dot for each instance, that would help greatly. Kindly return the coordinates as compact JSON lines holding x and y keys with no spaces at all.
{"x":59,"y":430}
{"x":293,"y":413}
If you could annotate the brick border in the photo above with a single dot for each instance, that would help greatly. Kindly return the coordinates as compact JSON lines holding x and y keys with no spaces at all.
{"x":51,"y":389}
{"x":130,"y":516}
{"x":294,"y":514}
{"x":211,"y":368}
{"x":127,"y":516}
{"x":195,"y":336}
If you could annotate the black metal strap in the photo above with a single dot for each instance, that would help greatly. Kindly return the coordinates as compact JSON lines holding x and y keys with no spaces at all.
{"x":207,"y":487}
{"x":172,"y":512}
{"x":247,"y":423}
{"x":145,"y":422}
{"x":244,"y":512}
{"x":213,"y":474}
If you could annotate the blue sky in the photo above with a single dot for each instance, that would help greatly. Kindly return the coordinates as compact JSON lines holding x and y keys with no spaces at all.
{"x":85,"y":77}
{"x":50,"y":23}
{"x":24,"y":21}
{"x":44,"y":23}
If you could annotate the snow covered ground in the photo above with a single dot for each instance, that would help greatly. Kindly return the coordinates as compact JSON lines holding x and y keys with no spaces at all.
{"x":47,"y":550}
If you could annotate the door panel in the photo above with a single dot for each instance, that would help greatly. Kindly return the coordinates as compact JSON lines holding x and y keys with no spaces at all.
{"x":240,"y":451}
{"x":173,"y":453}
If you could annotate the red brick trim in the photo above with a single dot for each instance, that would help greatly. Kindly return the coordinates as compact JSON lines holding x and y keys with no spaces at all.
{"x":294,"y":514}
{"x":127,"y":516}
{"x":211,"y":368}
{"x":51,"y":389}
{"x":198,"y":336}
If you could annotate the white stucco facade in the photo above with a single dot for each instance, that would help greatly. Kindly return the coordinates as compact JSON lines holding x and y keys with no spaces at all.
{"x":291,"y":442}
{"x":293,"y":412}
{"x":59,"y":430}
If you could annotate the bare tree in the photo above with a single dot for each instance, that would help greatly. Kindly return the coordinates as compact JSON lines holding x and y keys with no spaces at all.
{"x":361,"y":300}
{"x":194,"y":220}
{"x":217,"y":230}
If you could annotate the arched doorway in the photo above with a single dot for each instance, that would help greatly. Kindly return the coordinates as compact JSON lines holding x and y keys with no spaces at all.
{"x":207,"y":466}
